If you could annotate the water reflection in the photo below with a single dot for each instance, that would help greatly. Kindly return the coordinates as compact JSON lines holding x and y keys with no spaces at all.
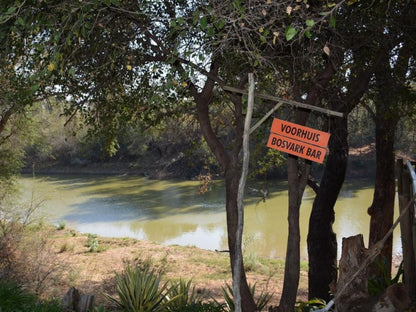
{"x":173,"y":212}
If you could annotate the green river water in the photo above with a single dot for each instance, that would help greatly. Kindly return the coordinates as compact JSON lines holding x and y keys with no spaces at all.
{"x":174,"y":212}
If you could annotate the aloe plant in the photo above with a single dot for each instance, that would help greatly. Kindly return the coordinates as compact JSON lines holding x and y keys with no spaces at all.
{"x":311,"y":305}
{"x":184,"y":295}
{"x":139,"y":289}
{"x":261,"y":302}
{"x":13,"y":297}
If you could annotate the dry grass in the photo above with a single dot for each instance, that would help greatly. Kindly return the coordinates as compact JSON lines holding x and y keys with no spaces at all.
{"x":93,"y":272}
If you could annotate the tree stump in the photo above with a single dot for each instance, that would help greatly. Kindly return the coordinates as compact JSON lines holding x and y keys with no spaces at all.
{"x":354,"y":296}
{"x":75,"y":301}
{"x":353,"y":256}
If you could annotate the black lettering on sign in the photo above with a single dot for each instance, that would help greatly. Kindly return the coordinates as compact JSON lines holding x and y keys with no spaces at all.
{"x":297,"y":148}
{"x":311,"y":152}
{"x":289,"y":146}
{"x":300,"y":133}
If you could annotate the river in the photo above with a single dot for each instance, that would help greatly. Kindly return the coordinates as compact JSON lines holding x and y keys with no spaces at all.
{"x":174,"y":212}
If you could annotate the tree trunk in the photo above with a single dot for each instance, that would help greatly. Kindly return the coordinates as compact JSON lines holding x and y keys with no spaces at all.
{"x":322,"y":243}
{"x":322,"y":248}
{"x":231,"y":164}
{"x":382,"y":208}
{"x":297,"y":186}
{"x":386,"y":119}
{"x":297,"y":181}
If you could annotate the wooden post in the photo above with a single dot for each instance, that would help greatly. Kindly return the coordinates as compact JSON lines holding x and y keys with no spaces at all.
{"x":240,"y":196}
{"x":409,"y":266}
{"x":412,"y":209}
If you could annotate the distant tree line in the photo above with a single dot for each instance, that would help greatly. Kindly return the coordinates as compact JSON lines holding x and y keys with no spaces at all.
{"x":121,"y":66}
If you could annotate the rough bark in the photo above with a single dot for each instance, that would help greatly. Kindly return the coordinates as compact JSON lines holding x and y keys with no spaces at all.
{"x":297,"y":181}
{"x":322,"y":246}
{"x":322,"y":243}
{"x":231,"y":165}
{"x":292,"y":265}
{"x":352,"y":294}
{"x":353,"y":256}
{"x":390,"y":100}
{"x":382,"y":208}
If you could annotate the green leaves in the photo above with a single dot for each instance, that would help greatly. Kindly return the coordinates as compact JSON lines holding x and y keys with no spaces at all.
{"x":21,"y":21}
{"x":203,"y":22}
{"x":112,"y":2}
{"x":309,"y":22}
{"x":332,"y":21}
{"x":139,"y":290}
{"x":290,"y":32}
{"x":34,"y":88}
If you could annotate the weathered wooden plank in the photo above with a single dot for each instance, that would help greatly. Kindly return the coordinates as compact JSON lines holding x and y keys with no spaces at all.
{"x":286,"y":101}
{"x":409,"y":263}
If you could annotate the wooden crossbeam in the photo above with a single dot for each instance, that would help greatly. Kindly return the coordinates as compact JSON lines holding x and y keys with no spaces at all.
{"x":285,"y":101}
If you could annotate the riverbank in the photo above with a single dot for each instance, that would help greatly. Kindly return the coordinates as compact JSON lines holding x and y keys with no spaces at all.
{"x":361,"y":164}
{"x":89,"y":263}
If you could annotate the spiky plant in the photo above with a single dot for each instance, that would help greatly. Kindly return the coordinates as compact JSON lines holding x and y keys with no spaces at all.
{"x":262,"y":300}
{"x":139,"y":289}
{"x":13,"y":297}
{"x":185,"y":295}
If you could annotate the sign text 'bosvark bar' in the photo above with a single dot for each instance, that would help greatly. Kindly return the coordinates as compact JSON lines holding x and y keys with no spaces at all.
{"x":298,"y":140}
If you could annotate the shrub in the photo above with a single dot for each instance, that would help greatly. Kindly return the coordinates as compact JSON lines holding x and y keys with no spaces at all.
{"x":38,"y":268}
{"x":26,"y":254}
{"x":311,"y":305}
{"x":93,"y":245}
{"x":66,"y":247}
{"x":47,"y":306}
{"x":262,"y":300}
{"x":139,"y":290}
{"x":61,"y":225}
{"x":100,"y":308}
{"x":14,"y":299}
{"x":251,"y":262}
{"x":15,"y":220}
{"x":380,"y":283}
{"x":185,"y":296}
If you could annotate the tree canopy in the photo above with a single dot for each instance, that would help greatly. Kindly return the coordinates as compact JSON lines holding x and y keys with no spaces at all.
{"x":125,"y":62}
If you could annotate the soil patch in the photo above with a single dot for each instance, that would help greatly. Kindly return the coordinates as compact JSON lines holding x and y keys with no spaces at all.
{"x":92,"y":270}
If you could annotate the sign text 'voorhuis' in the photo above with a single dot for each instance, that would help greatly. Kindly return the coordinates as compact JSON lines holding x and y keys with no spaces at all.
{"x":298,"y":140}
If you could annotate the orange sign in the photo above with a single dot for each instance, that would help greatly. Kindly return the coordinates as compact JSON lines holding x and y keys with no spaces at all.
{"x":297,"y":148}
{"x":300,"y":133}
{"x":298,"y":140}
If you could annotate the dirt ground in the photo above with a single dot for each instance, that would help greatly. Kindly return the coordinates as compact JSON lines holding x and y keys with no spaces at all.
{"x":93,"y":271}
{"x":89,"y":263}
